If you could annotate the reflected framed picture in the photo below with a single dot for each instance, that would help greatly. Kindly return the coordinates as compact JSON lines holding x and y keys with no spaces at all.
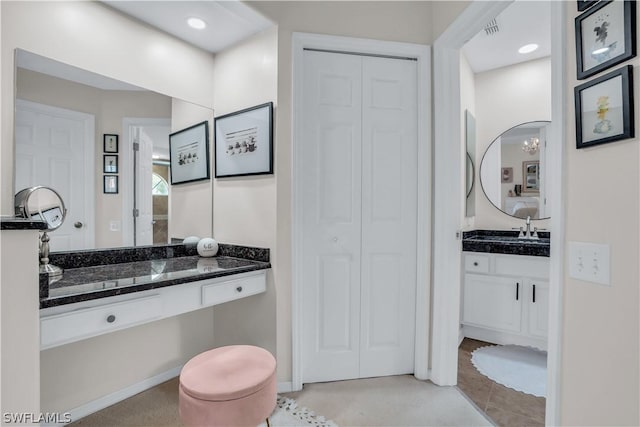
{"x":531,"y":176}
{"x":110,"y":163}
{"x":604,"y":108}
{"x":110,"y":184}
{"x":189,"y":154}
{"x":244,"y":142}
{"x":605,"y":36}
{"x":110,"y":143}
{"x":506,"y":175}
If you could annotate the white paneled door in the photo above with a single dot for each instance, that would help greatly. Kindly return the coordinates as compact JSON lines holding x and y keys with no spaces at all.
{"x":54,"y":148}
{"x":359,"y":185}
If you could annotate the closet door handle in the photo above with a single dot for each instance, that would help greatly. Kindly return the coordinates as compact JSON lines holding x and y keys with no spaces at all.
{"x":534,"y":294}
{"x":517,"y":291}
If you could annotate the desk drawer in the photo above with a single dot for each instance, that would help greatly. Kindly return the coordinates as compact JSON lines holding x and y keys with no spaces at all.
{"x":230,"y":290}
{"x":67,"y":327}
{"x":476,"y":263}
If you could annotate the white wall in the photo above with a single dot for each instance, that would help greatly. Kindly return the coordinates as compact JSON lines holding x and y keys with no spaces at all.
{"x":19,"y":364}
{"x":403,"y":21}
{"x":506,"y":97}
{"x":245,"y":208}
{"x":600,"y":372}
{"x":91,"y":36}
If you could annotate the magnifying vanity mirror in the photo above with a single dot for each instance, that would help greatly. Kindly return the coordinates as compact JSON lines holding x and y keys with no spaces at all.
{"x":43,"y":204}
{"x":512,"y":171}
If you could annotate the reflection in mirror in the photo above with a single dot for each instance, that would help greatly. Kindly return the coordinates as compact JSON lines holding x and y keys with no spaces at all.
{"x":470,"y":138}
{"x":43,"y":204}
{"x":62,"y":114}
{"x":512,"y":171}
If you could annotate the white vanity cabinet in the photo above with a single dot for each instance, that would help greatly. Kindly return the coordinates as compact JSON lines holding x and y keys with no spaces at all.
{"x":505,"y":298}
{"x":68,"y":323}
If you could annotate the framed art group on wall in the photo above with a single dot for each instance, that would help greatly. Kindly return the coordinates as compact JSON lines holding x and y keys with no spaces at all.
{"x":110,"y":163}
{"x":605,"y":37}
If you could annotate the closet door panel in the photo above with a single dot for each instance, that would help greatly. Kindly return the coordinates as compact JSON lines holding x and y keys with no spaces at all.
{"x":332,"y":120}
{"x":389,"y":216}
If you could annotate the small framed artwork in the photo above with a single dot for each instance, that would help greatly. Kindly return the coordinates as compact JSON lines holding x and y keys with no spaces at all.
{"x":605,"y":36}
{"x":531,"y":176}
{"x":244,"y":142}
{"x":189,"y":154}
{"x":604,"y":108}
{"x":110,"y":143}
{"x":110,"y":163}
{"x":507,"y":175}
{"x":585,"y":4}
{"x":110,"y":184}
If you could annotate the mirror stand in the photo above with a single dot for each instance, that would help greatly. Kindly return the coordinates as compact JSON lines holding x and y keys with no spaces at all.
{"x":53,"y":271}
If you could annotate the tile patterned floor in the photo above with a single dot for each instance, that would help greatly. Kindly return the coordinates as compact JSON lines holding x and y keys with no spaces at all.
{"x":505,"y":406}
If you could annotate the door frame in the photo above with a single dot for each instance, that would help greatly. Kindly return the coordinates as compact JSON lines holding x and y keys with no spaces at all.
{"x":422,"y":53}
{"x":448,"y":195}
{"x":89,"y":134}
{"x":126,"y":175}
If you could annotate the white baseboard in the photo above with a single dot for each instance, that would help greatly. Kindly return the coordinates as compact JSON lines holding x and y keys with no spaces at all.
{"x":120,"y":395}
{"x":285,"y":387}
{"x":460,"y":335}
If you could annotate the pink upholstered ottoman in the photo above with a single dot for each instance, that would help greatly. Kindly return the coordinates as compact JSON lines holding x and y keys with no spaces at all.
{"x":228,"y":386}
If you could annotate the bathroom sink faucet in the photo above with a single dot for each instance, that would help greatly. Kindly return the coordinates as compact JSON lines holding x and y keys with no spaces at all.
{"x":528,"y":233}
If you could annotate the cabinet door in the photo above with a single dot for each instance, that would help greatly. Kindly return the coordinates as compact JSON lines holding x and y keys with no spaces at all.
{"x":538,"y":308}
{"x":493,"y":302}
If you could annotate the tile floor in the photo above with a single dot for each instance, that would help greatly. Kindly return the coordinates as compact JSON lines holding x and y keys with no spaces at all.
{"x":505,"y":406}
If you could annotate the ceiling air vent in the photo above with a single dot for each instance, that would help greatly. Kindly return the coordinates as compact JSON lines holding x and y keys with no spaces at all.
{"x":492,"y":27}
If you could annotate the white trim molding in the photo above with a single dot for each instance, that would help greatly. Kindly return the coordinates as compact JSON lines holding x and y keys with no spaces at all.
{"x":422,"y":54}
{"x":120,"y":395}
{"x":448,"y":154}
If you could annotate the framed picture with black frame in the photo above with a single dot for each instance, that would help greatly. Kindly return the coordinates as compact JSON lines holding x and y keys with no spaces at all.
{"x":189,"y":154}
{"x":244,"y":142}
{"x":110,"y":185}
{"x":110,"y":143}
{"x":110,"y":163}
{"x":585,"y":4}
{"x":604,"y":108}
{"x":605,"y":36}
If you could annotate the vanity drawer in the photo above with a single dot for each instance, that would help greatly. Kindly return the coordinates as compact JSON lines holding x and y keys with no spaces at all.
{"x":230,"y":290}
{"x":519,"y":265}
{"x":476,"y":263}
{"x":84,"y":323}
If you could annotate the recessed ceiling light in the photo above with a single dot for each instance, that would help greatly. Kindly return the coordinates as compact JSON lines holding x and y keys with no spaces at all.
{"x":528,"y":48}
{"x":196,"y":23}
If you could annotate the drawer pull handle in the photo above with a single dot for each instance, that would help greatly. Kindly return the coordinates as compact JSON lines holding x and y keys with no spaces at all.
{"x":111,"y":318}
{"x":239,"y":289}
{"x":534,"y":294}
{"x":475,"y":263}
{"x":517,"y":291}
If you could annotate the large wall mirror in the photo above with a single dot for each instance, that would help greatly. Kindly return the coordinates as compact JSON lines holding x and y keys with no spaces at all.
{"x":512,"y":172}
{"x":76,"y":130}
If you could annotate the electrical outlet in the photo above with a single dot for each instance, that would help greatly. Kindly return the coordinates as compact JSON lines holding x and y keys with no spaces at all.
{"x":114,"y":226}
{"x":589,"y":262}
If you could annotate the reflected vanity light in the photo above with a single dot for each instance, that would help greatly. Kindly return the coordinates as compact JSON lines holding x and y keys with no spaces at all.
{"x":528,"y":48}
{"x":531,"y":145}
{"x":197,"y":23}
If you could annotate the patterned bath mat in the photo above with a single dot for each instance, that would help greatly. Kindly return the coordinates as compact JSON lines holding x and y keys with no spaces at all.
{"x":289,"y":414}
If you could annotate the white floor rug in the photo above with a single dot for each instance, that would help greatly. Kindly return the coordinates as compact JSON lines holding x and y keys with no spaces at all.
{"x":520,"y":368}
{"x":289,"y":414}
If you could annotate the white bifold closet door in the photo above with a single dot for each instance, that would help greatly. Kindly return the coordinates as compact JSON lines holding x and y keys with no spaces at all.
{"x":359,"y":159}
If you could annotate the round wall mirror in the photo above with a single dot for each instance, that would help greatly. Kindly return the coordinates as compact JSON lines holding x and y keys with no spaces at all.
{"x":41,"y":203}
{"x":512,"y":171}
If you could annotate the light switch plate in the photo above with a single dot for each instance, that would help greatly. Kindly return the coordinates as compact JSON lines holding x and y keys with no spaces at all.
{"x":589,"y":262}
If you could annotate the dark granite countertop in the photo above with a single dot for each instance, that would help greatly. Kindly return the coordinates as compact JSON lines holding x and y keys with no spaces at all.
{"x":97,"y":274}
{"x":505,"y":242}
{"x":13,"y":223}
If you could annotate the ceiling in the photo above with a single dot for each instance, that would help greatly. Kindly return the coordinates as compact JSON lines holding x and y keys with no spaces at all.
{"x":523,"y":22}
{"x":228,"y":21}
